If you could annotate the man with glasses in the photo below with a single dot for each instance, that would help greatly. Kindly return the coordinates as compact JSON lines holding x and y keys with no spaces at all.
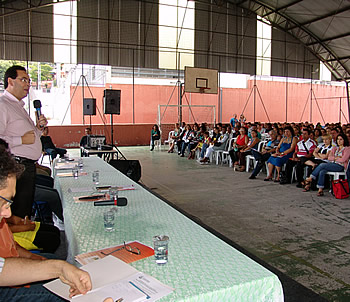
{"x":22,"y":135}
{"x":16,"y":270}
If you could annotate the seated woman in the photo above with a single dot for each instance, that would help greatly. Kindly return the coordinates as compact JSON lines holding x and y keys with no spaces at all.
{"x":174,"y":137}
{"x":284,"y":152}
{"x":318,"y":136}
{"x":264,"y":155}
{"x":197,"y":138}
{"x":253,"y":144}
{"x":49,"y":147}
{"x":240,"y":143}
{"x":338,"y":162}
{"x":155,"y":135}
{"x":321,"y":152}
{"x":186,"y":139}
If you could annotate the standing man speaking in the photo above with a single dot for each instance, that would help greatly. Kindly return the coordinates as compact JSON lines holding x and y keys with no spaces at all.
{"x":22,"y":135}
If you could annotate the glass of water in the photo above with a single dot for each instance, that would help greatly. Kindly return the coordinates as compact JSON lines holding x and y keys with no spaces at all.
{"x":96,"y":177}
{"x":160,"y":244}
{"x":113,"y":193}
{"x":80,"y":163}
{"x":75,"y":172}
{"x":108,"y":218}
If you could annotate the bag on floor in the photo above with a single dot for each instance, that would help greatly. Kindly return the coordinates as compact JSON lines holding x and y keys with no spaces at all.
{"x":340,"y":188}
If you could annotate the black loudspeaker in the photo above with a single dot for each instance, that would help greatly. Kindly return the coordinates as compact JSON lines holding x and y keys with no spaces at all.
{"x":130,"y":168}
{"x":89,"y":106}
{"x":111,"y":101}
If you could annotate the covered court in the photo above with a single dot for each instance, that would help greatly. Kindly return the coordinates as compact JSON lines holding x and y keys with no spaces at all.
{"x":275,"y":61}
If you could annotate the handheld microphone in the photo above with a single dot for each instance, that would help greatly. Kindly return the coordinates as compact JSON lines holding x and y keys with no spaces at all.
{"x":121,"y":202}
{"x":37,"y":106}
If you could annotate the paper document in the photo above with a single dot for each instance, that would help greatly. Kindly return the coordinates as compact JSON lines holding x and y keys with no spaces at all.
{"x":81,"y":190}
{"x":65,"y":165}
{"x":120,"y":188}
{"x":136,"y":288}
{"x":117,"y":251}
{"x":70,"y":174}
{"x":114,"y":278}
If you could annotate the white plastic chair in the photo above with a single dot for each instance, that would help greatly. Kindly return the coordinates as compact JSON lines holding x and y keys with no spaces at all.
{"x":219,"y":153}
{"x":157,"y":144}
{"x":249,"y":158}
{"x":167,"y":141}
{"x":225,"y":154}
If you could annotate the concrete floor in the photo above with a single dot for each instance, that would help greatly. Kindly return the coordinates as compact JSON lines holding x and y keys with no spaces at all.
{"x":302,"y":235}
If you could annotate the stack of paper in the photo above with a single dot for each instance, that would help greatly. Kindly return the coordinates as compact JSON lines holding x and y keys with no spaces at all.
{"x":114,"y":278}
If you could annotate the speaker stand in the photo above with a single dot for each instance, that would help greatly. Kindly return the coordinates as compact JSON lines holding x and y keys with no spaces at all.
{"x":112,"y":142}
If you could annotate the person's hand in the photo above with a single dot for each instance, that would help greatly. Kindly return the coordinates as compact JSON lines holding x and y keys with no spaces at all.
{"x":78,"y":280}
{"x":37,"y":257}
{"x":17,"y":228}
{"x":18,"y":224}
{"x":28,"y":138}
{"x":41,"y":122}
{"x":108,"y":300}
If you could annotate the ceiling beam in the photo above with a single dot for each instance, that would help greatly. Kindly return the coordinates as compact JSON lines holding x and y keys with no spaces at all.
{"x":330,"y":14}
{"x":331,"y":38}
{"x":282,"y":7}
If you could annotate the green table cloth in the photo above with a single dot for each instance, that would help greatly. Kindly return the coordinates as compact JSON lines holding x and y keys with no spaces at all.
{"x":201,"y":267}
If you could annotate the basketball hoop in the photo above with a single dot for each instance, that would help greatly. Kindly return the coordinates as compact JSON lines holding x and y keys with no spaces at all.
{"x":203,"y":89}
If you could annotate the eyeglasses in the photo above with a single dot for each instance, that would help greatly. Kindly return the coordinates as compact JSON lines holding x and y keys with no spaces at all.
{"x":8,"y":202}
{"x":25,"y":80}
{"x":127,"y":247}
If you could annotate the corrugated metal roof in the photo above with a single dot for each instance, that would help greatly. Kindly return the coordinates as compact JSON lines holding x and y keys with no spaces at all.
{"x":322,"y":25}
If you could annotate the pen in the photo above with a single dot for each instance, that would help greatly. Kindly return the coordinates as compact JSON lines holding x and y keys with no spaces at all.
{"x":92,"y":197}
{"x":119,"y":300}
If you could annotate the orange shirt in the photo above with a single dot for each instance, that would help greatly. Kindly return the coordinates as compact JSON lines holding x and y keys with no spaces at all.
{"x":7,"y":243}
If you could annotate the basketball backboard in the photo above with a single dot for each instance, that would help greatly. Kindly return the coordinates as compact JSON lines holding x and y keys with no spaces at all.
{"x":201,"y":80}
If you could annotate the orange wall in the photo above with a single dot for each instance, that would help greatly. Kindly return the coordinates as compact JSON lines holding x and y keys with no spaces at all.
{"x":147,"y":98}
{"x":273,"y":95}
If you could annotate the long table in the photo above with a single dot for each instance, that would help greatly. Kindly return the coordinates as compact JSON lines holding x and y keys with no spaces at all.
{"x":201,"y":266}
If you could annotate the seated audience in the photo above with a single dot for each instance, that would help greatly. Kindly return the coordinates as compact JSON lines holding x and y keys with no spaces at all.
{"x":155,"y":135}
{"x":240,"y":143}
{"x":174,"y":137}
{"x":218,"y":144}
{"x":197,"y":138}
{"x":347,"y":132}
{"x":202,"y":146}
{"x":318,"y":136}
{"x":334,"y":134}
{"x":252,"y":144}
{"x":186,"y":139}
{"x":49,"y":147}
{"x":321,"y":152}
{"x":85,"y":141}
{"x":284,"y":151}
{"x":303,"y":152}
{"x":254,"y":127}
{"x":264,"y":155}
{"x":213,"y":139}
{"x":338,"y":162}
